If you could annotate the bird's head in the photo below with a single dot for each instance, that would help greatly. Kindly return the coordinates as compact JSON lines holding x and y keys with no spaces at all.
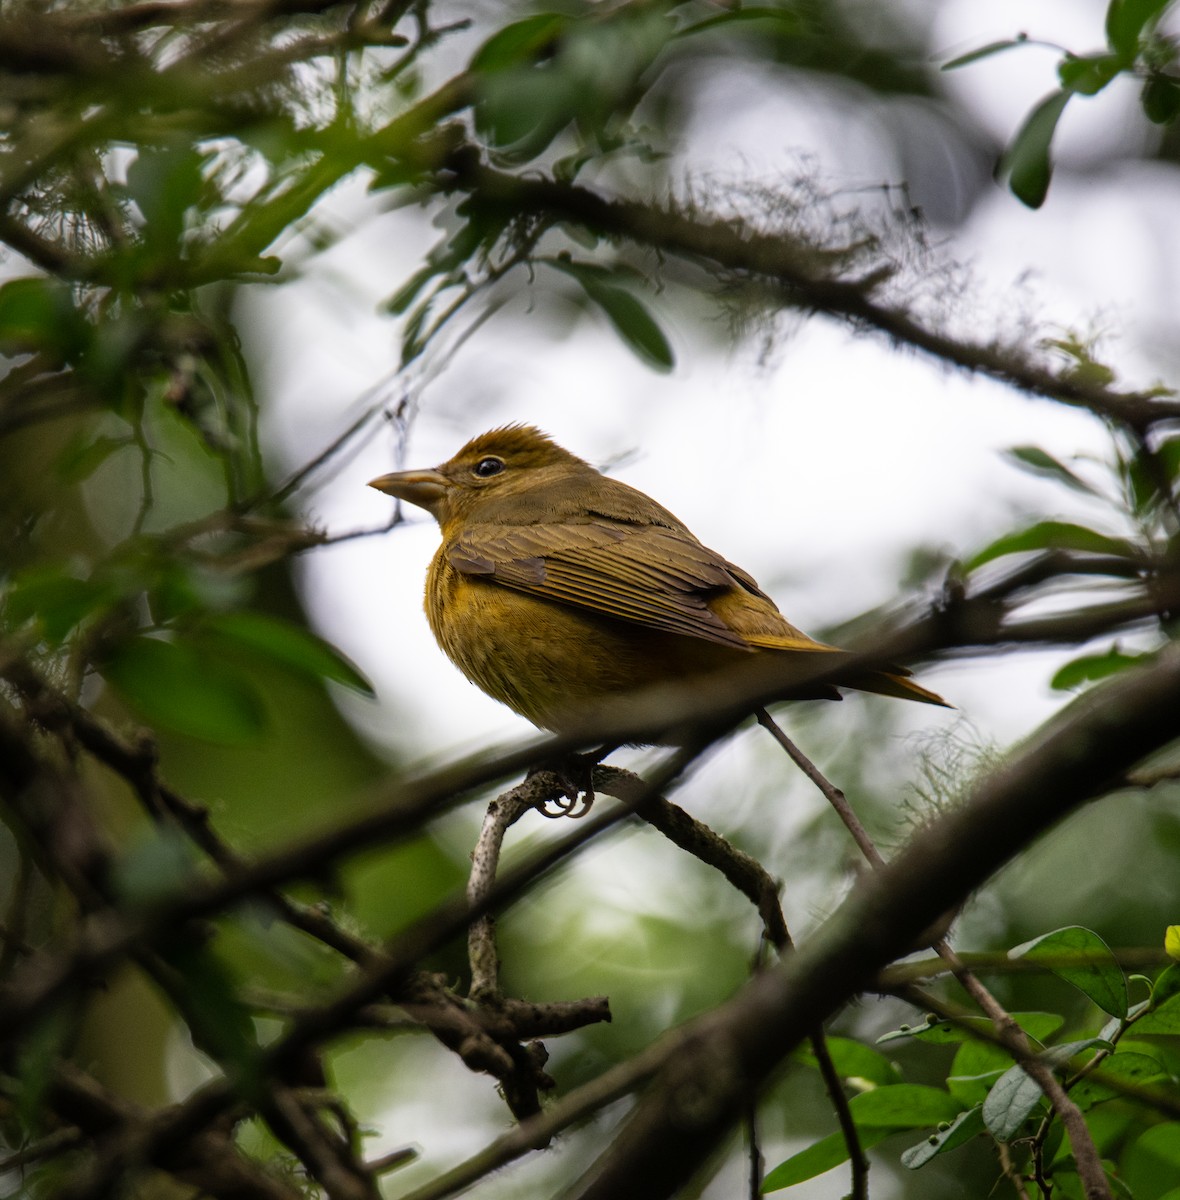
{"x":498,"y":466}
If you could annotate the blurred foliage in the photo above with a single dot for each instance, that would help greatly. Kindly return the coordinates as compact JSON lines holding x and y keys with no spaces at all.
{"x":159,"y":161}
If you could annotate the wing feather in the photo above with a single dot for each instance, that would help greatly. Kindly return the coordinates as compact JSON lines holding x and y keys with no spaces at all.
{"x":655,"y":576}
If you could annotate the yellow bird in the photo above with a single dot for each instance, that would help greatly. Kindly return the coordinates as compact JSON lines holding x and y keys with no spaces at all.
{"x":556,"y":587}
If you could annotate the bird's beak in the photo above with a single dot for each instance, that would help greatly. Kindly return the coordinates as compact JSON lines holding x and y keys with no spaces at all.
{"x":423,"y":488}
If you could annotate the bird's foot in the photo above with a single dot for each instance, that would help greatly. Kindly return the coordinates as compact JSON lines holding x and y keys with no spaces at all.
{"x":574,"y":776}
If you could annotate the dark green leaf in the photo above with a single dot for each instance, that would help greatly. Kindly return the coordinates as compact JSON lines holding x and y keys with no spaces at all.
{"x":219,"y":1021}
{"x":1123,"y":1067}
{"x":1167,"y":453}
{"x":983,"y":52}
{"x":1125,"y":22}
{"x":629,"y":317}
{"x":1100,"y":976}
{"x":166,"y":182}
{"x":962,"y":1129}
{"x":56,"y":601}
{"x":1053,"y":535}
{"x":1160,"y":99}
{"x":38,"y":314}
{"x":169,"y":683}
{"x":1026,"y":162}
{"x":1039,"y":462}
{"x":1090,"y":667}
{"x":1089,"y":74}
{"x":1161,"y":1020}
{"x":1009,"y":1103}
{"x":286,"y":645}
{"x":822,"y":1156}
{"x":1167,"y":984}
{"x":520,"y":42}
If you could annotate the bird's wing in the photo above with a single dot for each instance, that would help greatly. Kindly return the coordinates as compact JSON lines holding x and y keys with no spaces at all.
{"x":650,"y":574}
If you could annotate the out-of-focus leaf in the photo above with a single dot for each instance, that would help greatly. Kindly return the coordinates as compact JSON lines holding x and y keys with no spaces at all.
{"x":169,"y":683}
{"x":1125,"y":1066}
{"x":819,"y":1157}
{"x":634,"y":324}
{"x":165,"y":182}
{"x":1026,"y":162}
{"x":1053,"y":535}
{"x":1101,"y":978}
{"x":220,"y":1022}
{"x":961,"y":1130}
{"x":38,"y":314}
{"x":156,"y":868}
{"x":787,"y":20}
{"x":1040,"y":462}
{"x":1172,"y":950}
{"x":1009,"y":1103}
{"x":83,"y":457}
{"x":1125,"y":22}
{"x":519,"y":42}
{"x":1160,"y":99}
{"x":983,"y":52}
{"x":1090,"y":667}
{"x":1151,"y":1165}
{"x":57,"y":601}
{"x":1163,"y":1020}
{"x":1088,"y":74}
{"x":855,"y":1060}
{"x":287,"y":645}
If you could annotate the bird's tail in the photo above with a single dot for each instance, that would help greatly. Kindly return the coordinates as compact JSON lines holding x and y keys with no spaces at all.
{"x":896,"y":681}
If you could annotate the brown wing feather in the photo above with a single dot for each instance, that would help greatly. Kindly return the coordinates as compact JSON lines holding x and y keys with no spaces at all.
{"x":650,"y":574}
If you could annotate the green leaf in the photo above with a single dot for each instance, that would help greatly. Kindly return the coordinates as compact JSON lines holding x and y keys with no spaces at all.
{"x":1039,"y":462}
{"x":962,"y":1129}
{"x":170,"y":684}
{"x":1125,"y":22}
{"x":1151,"y":1165}
{"x":984,"y":52}
{"x":1053,"y":535}
{"x":788,"y":21}
{"x":1100,"y":978}
{"x":286,"y":645}
{"x":1026,"y":162}
{"x":631,"y":320}
{"x":1090,"y":667}
{"x":85,"y":455}
{"x":822,"y":1156}
{"x":520,"y":42}
{"x":1124,"y":1066}
{"x":1167,"y":983}
{"x":1162,"y":1020}
{"x":1088,"y":74}
{"x":1160,"y":99}
{"x":855,"y":1060}
{"x":1009,"y":1104}
{"x":903,"y":1106}
{"x":1038,"y":1025}
{"x":38,"y":314}
{"x":57,"y":601}
{"x":978,"y":1064}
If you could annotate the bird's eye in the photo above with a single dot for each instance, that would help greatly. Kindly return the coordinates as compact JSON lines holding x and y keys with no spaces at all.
{"x":487,"y":467}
